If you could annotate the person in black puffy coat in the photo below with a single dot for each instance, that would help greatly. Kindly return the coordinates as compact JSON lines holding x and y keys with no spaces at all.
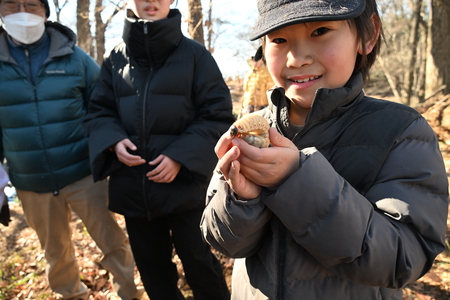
{"x":154,"y":118}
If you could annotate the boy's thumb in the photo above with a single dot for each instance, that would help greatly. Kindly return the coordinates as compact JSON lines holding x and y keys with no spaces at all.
{"x":129,"y":144}
{"x":277,"y":140}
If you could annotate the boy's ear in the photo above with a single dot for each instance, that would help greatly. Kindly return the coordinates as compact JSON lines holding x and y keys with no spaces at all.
{"x":370,"y":44}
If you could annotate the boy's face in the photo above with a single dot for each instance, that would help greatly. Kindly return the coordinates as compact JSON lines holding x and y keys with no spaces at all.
{"x":305,"y":57}
{"x":152,"y":10}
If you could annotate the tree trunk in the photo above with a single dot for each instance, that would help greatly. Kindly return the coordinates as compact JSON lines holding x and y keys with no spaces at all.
{"x":100,"y":29}
{"x":195,"y":17}
{"x":210,"y":28}
{"x":411,"y":71}
{"x":58,"y":9}
{"x":84,"y":37}
{"x":393,"y":83}
{"x":422,"y":75}
{"x":100,"y":26}
{"x":438,"y":61}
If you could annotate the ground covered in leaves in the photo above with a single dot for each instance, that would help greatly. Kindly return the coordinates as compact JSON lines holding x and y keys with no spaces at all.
{"x":22,"y":266}
{"x":22,"y":263}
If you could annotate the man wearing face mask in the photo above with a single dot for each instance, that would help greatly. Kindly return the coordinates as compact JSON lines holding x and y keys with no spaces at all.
{"x":45,"y":85}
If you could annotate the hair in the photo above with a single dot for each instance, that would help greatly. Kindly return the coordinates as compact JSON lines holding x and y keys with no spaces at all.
{"x":366,"y":30}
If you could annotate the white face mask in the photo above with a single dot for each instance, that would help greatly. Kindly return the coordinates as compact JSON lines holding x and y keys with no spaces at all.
{"x":24,"y":27}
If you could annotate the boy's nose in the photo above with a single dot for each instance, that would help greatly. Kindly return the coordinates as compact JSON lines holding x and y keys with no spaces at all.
{"x":299,"y":58}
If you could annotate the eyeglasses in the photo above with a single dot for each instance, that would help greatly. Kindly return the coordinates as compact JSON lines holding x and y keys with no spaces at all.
{"x":14,"y":6}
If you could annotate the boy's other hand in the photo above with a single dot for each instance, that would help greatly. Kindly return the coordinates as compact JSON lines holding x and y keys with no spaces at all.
{"x":124,"y":156}
{"x":230,"y":167}
{"x":271,"y":166}
{"x":166,"y":171}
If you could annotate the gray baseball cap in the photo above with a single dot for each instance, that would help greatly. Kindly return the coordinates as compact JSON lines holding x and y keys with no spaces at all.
{"x":275,"y":14}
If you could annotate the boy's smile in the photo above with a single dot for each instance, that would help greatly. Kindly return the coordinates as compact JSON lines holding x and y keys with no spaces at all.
{"x":303,"y":82}
{"x":305,"y":57}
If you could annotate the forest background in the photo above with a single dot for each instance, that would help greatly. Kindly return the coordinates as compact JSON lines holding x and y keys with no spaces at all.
{"x":414,"y":63}
{"x":413,"y":68}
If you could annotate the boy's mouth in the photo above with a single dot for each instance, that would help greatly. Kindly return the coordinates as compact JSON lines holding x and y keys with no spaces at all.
{"x":151,"y":8}
{"x":305,"y":80}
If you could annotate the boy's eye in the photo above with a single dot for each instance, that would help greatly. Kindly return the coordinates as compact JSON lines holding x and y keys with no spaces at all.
{"x":278,"y":40}
{"x":320,"y":31}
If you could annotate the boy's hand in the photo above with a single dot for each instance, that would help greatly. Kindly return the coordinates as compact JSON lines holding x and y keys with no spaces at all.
{"x":230,"y":168}
{"x":124,"y":156}
{"x":166,"y":171}
{"x":271,"y":166}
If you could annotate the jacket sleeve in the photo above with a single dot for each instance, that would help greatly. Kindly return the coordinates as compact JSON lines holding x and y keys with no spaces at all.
{"x":194,"y":148}
{"x":232,"y":226}
{"x":389,"y":236}
{"x":103,"y":126}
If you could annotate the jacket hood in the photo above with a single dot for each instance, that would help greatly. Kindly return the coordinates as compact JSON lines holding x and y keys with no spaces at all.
{"x":326,"y":103}
{"x":62,"y":41}
{"x":150,"y":42}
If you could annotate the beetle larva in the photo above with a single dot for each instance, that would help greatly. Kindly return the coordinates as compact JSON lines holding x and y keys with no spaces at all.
{"x":253,"y":128}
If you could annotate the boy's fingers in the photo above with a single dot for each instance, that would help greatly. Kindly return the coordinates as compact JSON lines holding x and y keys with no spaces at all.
{"x":128,"y":144}
{"x":224,"y":163}
{"x":234,"y":170}
{"x":157,"y":160}
{"x":244,"y":146}
{"x":223,"y":145}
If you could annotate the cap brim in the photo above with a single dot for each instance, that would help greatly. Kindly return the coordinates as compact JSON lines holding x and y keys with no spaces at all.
{"x":306,"y":11}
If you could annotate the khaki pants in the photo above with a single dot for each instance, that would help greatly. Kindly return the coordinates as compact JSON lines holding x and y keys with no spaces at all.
{"x":50,"y":215}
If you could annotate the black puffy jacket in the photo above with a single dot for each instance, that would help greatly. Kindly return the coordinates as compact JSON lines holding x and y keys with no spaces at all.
{"x":167,"y":95}
{"x":363,"y":216}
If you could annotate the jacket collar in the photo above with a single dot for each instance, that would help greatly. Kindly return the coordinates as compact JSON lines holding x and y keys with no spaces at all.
{"x":327,"y":103}
{"x":62,"y":41}
{"x":150,"y":42}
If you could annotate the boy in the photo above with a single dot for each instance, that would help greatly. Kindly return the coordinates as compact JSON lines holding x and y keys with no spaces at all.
{"x":351,"y":201}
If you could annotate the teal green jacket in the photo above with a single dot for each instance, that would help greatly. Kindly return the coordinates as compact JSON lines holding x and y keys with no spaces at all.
{"x":42,"y":139}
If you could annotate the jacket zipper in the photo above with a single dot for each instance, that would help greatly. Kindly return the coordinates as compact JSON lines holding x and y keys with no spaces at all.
{"x":27,"y":54}
{"x":143,"y":133}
